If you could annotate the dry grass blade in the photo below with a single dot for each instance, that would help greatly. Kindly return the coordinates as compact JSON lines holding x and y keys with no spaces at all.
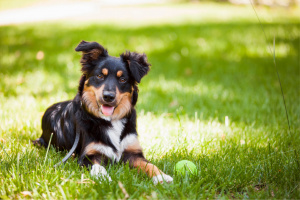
{"x":123,"y":190}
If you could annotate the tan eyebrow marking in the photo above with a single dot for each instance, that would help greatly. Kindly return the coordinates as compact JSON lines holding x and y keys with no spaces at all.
{"x":104,"y":71}
{"x":119,"y":73}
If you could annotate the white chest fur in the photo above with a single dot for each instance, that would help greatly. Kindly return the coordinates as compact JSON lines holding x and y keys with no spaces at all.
{"x":114,"y":133}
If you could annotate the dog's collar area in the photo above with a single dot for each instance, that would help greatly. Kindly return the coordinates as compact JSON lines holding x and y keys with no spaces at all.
{"x":76,"y":141}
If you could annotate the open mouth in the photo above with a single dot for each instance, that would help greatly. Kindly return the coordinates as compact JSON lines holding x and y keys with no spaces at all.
{"x":107,"y":110}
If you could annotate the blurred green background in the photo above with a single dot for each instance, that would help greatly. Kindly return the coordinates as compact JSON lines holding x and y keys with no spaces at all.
{"x":211,"y":61}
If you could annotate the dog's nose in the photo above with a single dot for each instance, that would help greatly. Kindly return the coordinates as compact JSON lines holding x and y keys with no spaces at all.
{"x":109,"y":96}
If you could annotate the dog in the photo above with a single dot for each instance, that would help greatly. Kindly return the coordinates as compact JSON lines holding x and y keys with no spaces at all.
{"x":102,"y":113}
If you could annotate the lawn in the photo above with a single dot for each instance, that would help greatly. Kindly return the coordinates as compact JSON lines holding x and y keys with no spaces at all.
{"x":202,"y":72}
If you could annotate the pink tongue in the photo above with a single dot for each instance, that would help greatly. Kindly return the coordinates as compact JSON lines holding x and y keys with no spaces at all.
{"x":107,"y":110}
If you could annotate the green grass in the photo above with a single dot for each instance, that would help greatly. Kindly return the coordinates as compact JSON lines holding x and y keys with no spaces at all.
{"x":202,"y":71}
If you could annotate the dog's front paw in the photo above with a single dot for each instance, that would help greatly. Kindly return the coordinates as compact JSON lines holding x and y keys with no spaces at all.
{"x":161,"y":178}
{"x":100,"y":173}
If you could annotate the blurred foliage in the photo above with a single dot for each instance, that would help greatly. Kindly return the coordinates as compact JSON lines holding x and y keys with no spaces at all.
{"x":4,"y":5}
{"x":271,"y":3}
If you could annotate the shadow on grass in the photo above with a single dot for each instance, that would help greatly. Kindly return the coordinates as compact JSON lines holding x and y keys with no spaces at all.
{"x":216,"y":70}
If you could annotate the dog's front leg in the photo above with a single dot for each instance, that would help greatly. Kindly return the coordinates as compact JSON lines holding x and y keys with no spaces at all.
{"x":134,"y":155}
{"x":96,"y":157}
{"x":152,"y":171}
{"x":99,"y":172}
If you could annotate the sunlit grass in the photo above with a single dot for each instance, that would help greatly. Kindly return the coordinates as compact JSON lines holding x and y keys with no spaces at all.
{"x":202,"y":73}
{"x":4,"y":5}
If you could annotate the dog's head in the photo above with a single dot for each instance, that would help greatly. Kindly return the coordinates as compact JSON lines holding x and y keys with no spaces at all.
{"x":108,"y":85}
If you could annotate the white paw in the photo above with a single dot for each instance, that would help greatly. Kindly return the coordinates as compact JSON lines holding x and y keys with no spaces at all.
{"x":99,"y":172}
{"x":161,"y":178}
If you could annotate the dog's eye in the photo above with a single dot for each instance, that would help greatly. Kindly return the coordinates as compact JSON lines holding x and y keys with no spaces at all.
{"x":122,"y":80}
{"x":100,"y":76}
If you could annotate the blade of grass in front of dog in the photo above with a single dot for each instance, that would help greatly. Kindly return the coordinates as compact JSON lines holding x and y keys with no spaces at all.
{"x":48,"y":148}
{"x":5,"y":151}
{"x":62,"y":192}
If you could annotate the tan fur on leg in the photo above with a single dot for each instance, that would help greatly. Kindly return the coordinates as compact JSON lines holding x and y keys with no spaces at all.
{"x":146,"y":167}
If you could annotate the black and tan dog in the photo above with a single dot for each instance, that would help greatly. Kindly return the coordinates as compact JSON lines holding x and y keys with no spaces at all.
{"x":103,"y":112}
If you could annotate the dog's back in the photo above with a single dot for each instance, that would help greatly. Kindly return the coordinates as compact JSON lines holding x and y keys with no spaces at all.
{"x":58,"y":122}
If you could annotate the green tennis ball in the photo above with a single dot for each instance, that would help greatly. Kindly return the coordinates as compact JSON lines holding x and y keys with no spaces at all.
{"x":185,"y":167}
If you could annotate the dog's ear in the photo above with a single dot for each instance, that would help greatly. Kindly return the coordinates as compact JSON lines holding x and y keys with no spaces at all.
{"x":91,"y":52}
{"x":135,"y":95}
{"x":137,"y":63}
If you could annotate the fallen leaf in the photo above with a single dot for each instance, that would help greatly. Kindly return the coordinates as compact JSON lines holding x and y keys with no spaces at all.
{"x":223,"y":136}
{"x":173,"y":103}
{"x":260,"y":186}
{"x":26,"y":193}
{"x":86,"y":181}
{"x":272,"y":193}
{"x":40,"y":55}
{"x":188,"y":71}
